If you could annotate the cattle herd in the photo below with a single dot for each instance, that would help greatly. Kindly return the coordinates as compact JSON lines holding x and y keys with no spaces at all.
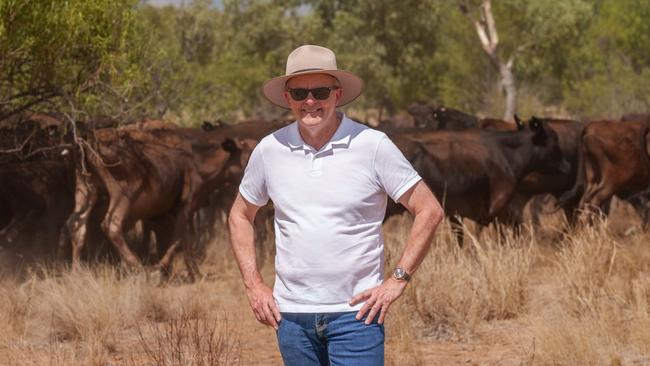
{"x":141,"y":192}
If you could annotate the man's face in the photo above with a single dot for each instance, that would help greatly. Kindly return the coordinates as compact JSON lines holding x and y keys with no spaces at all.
{"x":311,"y":111}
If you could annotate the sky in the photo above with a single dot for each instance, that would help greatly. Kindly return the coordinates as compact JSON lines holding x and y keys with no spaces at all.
{"x":174,"y":2}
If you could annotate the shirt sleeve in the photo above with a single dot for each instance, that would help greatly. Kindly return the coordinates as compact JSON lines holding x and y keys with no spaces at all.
{"x":394,"y":173}
{"x":253,"y":184}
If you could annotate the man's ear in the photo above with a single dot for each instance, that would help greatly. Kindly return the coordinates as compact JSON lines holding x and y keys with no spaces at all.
{"x":339,"y":94}
{"x":286,"y":97}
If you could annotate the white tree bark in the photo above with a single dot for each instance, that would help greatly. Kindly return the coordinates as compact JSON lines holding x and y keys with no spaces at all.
{"x":487,"y":33}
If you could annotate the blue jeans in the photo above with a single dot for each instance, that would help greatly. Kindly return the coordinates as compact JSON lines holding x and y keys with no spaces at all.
{"x":330,"y":339}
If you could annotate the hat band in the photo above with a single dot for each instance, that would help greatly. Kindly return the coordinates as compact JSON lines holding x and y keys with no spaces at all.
{"x":303,"y":70}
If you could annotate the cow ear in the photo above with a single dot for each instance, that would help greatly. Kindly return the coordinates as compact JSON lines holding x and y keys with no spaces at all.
{"x":229,"y":145}
{"x":519,"y":123}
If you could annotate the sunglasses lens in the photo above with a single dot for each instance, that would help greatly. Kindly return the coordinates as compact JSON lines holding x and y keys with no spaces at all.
{"x":321,"y":93}
{"x":299,"y":94}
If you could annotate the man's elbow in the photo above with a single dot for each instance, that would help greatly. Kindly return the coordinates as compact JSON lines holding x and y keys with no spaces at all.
{"x":433,"y":212}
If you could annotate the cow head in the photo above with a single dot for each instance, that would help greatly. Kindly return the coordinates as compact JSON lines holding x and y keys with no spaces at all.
{"x":547,"y":155}
{"x":423,"y":115}
{"x":240,"y":150}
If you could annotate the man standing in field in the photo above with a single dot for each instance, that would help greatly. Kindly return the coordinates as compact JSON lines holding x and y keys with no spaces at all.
{"x":328,"y":178}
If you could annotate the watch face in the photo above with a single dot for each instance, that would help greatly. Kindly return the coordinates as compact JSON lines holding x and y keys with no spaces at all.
{"x":399,"y":273}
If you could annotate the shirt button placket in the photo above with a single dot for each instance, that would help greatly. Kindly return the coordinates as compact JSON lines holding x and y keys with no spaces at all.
{"x":316,"y":165}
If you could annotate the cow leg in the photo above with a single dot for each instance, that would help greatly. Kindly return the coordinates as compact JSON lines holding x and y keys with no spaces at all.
{"x":76,"y":227}
{"x":164,"y":265}
{"x":182,"y":220}
{"x":457,"y":228}
{"x":598,"y":190}
{"x":642,"y":207}
{"x":113,"y":227}
{"x":536,"y":208}
{"x":23,"y":213}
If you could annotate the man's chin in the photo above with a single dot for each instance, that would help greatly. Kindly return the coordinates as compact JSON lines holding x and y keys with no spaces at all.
{"x":309,"y":119}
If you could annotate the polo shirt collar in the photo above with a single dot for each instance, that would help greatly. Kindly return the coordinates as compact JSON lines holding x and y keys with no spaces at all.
{"x":340,"y":139}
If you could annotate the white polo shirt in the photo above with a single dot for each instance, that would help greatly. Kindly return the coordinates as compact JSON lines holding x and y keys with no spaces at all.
{"x":329,"y":207}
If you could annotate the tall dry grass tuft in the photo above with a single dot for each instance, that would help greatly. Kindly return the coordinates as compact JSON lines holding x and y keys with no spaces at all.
{"x":92,"y":305}
{"x":600,"y":313}
{"x":455,"y":289}
{"x":16,"y":301}
{"x":186,"y":340}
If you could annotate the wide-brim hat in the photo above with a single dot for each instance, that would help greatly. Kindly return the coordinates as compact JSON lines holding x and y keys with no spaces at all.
{"x":310,"y":59}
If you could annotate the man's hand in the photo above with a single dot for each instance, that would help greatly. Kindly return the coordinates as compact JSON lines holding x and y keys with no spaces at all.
{"x":378,"y":299}
{"x":260,"y":298}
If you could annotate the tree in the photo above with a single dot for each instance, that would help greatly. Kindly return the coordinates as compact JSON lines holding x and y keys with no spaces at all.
{"x":487,"y":33}
{"x":538,"y":34}
{"x":389,"y":44}
{"x":608,"y":72}
{"x":57,"y":54}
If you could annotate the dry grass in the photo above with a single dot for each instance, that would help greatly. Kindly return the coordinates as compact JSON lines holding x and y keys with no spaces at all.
{"x":455,"y":289}
{"x":187,"y":340}
{"x":601,"y":313}
{"x":578,"y":299}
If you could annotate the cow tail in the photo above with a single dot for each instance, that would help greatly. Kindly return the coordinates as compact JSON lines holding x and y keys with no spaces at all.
{"x":579,"y":184}
{"x":644,"y":153}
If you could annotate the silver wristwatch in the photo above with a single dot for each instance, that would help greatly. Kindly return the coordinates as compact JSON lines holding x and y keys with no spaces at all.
{"x":401,"y":275}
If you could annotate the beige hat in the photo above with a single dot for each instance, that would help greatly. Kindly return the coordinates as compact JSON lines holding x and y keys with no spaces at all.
{"x":309,"y":59}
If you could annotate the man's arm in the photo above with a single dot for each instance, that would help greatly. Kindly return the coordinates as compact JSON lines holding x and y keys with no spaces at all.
{"x":242,"y":239}
{"x":427,"y":211}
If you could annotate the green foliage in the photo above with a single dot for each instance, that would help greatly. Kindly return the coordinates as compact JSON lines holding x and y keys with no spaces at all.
{"x":391,"y":46}
{"x":201,"y":62}
{"x":609,"y":72}
{"x":61,"y":49}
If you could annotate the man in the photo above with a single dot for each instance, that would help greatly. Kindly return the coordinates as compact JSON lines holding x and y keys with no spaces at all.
{"x":328,"y":178}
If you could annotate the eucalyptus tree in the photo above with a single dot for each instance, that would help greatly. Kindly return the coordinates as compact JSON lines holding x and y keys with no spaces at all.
{"x":528,"y":38}
{"x":390,"y":44}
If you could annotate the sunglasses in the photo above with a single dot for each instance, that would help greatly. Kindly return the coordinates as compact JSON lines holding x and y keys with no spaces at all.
{"x":321,"y":93}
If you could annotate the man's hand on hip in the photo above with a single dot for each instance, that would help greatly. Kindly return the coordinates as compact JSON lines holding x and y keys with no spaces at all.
{"x":378,"y":299}
{"x":260,"y":298}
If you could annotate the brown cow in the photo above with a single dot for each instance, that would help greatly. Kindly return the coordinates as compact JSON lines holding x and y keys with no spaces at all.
{"x":147,"y":175}
{"x":638,"y":117}
{"x":614,"y":162}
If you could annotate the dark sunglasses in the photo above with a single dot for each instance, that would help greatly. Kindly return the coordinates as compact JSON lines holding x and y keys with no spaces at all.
{"x":321,"y":93}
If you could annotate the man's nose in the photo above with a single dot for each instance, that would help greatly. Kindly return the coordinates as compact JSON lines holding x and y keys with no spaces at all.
{"x":310,"y":99}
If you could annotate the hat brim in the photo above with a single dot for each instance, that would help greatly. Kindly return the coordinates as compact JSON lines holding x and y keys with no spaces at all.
{"x":351,"y":86}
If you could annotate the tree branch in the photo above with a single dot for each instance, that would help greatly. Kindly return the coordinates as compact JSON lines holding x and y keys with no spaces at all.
{"x":27,"y":106}
{"x":491,"y":25}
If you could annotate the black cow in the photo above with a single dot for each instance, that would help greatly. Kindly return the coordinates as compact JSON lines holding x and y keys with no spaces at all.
{"x":475,"y":173}
{"x":37,"y":196}
{"x":558,"y":183}
{"x":441,"y":118}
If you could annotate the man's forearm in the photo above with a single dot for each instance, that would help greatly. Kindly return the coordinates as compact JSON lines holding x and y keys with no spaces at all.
{"x":419,"y":239}
{"x":242,"y":240}
{"x":428,"y":214}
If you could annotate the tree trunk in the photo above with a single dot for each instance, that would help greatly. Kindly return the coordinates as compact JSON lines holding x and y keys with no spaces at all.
{"x":487,"y":33}
{"x":510,"y":89}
